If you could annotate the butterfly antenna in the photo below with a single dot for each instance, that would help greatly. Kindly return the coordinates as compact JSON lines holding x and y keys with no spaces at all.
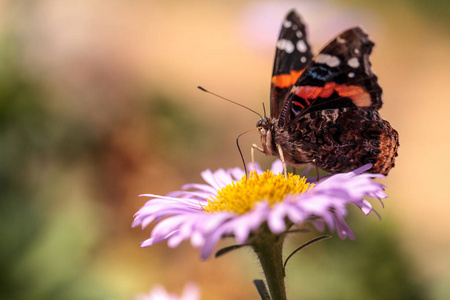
{"x":204,"y":90}
{"x":242,"y":156}
{"x":264,"y":108}
{"x":240,"y":152}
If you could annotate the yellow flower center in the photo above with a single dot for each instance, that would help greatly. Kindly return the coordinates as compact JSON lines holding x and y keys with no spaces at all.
{"x":240,"y":197}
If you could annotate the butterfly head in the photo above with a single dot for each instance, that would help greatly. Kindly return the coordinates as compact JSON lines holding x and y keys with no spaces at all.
{"x":265,"y":126}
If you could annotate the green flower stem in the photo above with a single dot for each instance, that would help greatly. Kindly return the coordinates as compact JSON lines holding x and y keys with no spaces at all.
{"x":269,"y":249}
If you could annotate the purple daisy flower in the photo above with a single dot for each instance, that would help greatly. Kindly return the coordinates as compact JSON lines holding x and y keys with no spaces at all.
{"x":190,"y":292}
{"x":230,"y":204}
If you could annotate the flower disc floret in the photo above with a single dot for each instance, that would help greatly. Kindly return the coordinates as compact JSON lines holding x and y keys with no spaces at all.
{"x":240,"y":197}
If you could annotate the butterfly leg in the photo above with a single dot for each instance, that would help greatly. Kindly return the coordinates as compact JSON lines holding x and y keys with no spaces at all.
{"x":280,"y":152}
{"x":254,"y":146}
{"x":317,"y":173}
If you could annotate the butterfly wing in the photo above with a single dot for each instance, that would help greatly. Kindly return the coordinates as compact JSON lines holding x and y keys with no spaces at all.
{"x":339,"y":76}
{"x":293,"y":53}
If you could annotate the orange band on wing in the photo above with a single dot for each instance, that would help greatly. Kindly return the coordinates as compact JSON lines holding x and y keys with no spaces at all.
{"x":286,"y":80}
{"x":309,"y":92}
{"x":357,"y":94}
{"x":327,"y":90}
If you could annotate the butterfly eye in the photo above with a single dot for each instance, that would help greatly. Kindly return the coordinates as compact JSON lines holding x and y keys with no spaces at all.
{"x":263,"y":123}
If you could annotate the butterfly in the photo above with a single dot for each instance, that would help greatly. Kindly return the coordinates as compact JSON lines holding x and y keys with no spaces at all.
{"x":324,"y":108}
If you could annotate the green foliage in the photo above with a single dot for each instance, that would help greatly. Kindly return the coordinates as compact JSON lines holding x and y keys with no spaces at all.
{"x":183,"y":133}
{"x":370,"y":267}
{"x":38,"y":258}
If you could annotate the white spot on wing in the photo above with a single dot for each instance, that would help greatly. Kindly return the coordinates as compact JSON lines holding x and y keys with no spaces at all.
{"x":351,"y":75}
{"x":356,"y":51}
{"x":330,"y":60}
{"x":285,"y":45}
{"x":303,"y":59}
{"x":299,"y":34}
{"x":333,"y":62}
{"x":301,"y":46}
{"x":353,"y":62}
{"x":287,"y":24}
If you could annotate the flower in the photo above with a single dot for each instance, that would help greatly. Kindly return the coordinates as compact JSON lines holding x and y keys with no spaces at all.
{"x":233,"y":205}
{"x":190,"y":292}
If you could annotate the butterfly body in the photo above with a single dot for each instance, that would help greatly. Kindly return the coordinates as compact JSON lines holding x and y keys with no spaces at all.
{"x":324,"y":109}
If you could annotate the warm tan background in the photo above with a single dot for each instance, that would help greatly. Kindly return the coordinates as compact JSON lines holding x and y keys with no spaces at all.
{"x":98,"y":103}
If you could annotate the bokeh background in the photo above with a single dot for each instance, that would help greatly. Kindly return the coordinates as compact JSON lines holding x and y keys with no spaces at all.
{"x":98,"y":104}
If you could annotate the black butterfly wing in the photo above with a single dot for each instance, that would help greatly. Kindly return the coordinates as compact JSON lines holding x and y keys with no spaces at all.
{"x":293,"y":53}
{"x":339,"y":76}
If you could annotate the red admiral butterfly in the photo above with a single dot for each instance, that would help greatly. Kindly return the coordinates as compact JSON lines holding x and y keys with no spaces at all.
{"x":324,"y":109}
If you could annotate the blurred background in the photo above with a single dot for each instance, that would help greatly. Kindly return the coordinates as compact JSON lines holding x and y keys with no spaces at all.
{"x":98,"y":104}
